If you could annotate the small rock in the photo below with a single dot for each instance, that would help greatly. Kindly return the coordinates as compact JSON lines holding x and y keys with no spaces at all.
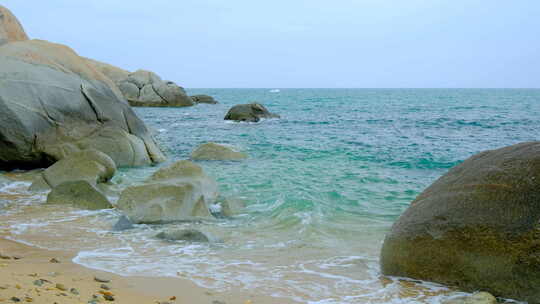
{"x":4,"y":257}
{"x":104,"y":286}
{"x":18,"y":286}
{"x":101,"y":280}
{"x":173,"y":298}
{"x":54,"y":260}
{"x":15,"y":299}
{"x":123,"y":223}
{"x":28,"y":299}
{"x":33,"y":275}
{"x":108,"y":297}
{"x":189,"y":235}
{"x":39,"y":282}
{"x":17,"y":257}
{"x":74,"y":291}
{"x":61,"y":287}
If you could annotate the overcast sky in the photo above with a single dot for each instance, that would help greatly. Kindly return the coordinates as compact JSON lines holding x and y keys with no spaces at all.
{"x":297,"y":43}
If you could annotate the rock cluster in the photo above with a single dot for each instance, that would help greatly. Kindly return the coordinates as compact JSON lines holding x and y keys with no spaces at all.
{"x":52,"y":104}
{"x":477,"y":227}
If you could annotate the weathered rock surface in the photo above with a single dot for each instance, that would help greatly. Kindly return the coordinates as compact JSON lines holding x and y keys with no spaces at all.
{"x":189,"y":235}
{"x":146,"y":89}
{"x":213,"y":151}
{"x":114,"y":73}
{"x":251,"y":112}
{"x":477,"y":227}
{"x":52,"y":103}
{"x":179,"y":192}
{"x":80,"y":194}
{"x":89,"y":165}
{"x":477,"y":298}
{"x":10,"y":28}
{"x":204,"y":99}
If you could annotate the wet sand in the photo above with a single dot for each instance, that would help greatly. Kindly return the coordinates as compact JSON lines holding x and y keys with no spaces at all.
{"x":28,"y":274}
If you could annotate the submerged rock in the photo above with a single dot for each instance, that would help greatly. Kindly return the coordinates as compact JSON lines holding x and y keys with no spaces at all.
{"x":78,"y":194}
{"x":179,"y":192}
{"x":203,"y":99}
{"x":189,"y":235}
{"x":477,"y":298}
{"x":123,"y":223}
{"x":251,"y":112}
{"x":53,"y":104}
{"x":477,"y":227}
{"x":213,"y":151}
{"x":89,"y":165}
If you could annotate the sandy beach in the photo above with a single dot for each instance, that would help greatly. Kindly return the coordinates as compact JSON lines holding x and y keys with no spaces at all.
{"x":34,"y":275}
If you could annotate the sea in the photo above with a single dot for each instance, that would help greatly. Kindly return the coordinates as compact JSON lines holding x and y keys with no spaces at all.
{"x":322,"y":186}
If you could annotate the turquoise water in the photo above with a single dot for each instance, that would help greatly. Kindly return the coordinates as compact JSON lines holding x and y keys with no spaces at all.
{"x":322,"y":186}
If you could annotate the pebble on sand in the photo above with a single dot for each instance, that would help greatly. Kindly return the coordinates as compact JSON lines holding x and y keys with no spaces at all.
{"x":54,"y":260}
{"x":101,"y":280}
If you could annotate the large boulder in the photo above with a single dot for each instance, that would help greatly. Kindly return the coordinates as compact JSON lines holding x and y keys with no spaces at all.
{"x":52,"y":103}
{"x":213,"y":151}
{"x":251,"y":112}
{"x":146,"y":89}
{"x":477,"y":227}
{"x":179,"y":192}
{"x":90,"y":165}
{"x":203,"y":99}
{"x":10,"y":28}
{"x":80,"y":194}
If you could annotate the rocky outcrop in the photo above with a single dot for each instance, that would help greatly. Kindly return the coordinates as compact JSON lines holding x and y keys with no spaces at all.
{"x":114,"y":73}
{"x":10,"y":28}
{"x":52,"y":103}
{"x":80,"y":194}
{"x":152,"y":91}
{"x":188,"y":235}
{"x":89,"y":165}
{"x":204,"y":99}
{"x":213,"y":151}
{"x":179,"y":192}
{"x":477,"y":227}
{"x":251,"y":112}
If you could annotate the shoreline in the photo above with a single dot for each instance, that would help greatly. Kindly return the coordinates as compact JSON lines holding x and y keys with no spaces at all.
{"x":18,"y":279}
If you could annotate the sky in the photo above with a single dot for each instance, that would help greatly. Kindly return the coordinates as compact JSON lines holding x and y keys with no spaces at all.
{"x":302,"y":43}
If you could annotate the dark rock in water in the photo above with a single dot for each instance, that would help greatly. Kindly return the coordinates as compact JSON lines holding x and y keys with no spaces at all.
{"x":204,"y":99}
{"x":189,"y":235}
{"x":252,"y":112}
{"x":78,"y":194}
{"x":477,"y":227}
{"x":123,"y":223}
{"x":53,"y":104}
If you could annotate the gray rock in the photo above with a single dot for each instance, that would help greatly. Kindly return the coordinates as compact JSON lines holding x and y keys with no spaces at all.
{"x":252,"y":112}
{"x":88,"y":165}
{"x":52,"y":103}
{"x":130,"y":90}
{"x":213,"y":151}
{"x":204,"y":99}
{"x":476,"y":227}
{"x":78,"y":194}
{"x":10,"y":28}
{"x":179,"y":192}
{"x":123,"y":223}
{"x":141,"y":78}
{"x":149,"y":96}
{"x":172,"y":94}
{"x":189,"y":235}
{"x":231,"y":206}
